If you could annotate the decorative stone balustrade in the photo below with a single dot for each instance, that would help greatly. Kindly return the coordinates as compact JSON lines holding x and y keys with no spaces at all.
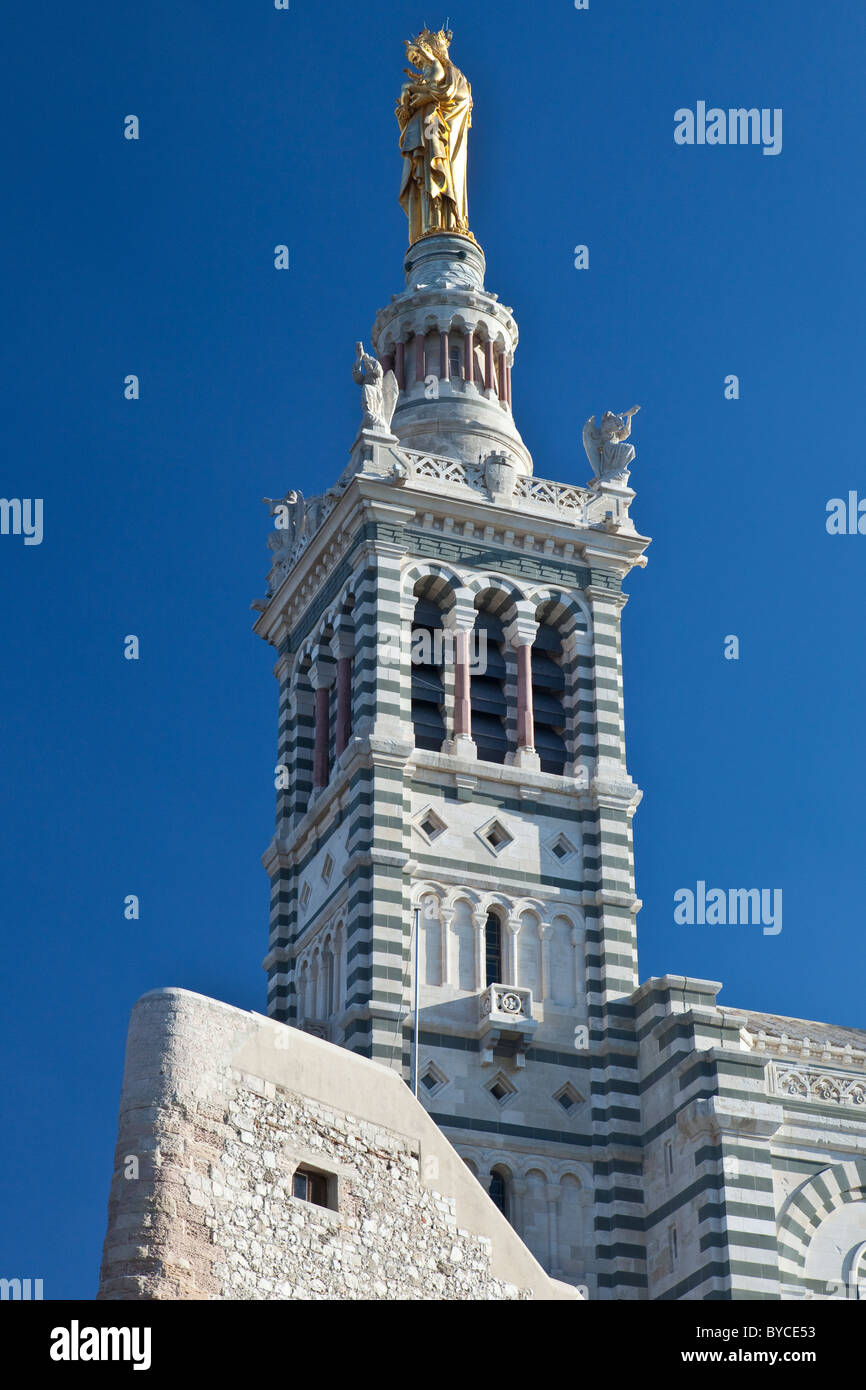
{"x":493,"y":480}
{"x":813,"y":1049}
{"x":536,"y":496}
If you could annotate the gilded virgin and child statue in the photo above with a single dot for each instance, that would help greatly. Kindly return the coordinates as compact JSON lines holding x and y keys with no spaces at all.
{"x":434,"y":114}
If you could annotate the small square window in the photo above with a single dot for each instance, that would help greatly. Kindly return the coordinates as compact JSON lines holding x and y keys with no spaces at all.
{"x":310,"y":1187}
{"x":495,"y":836}
{"x":568,"y":1097}
{"x":430,"y":825}
{"x":562,"y":848}
{"x":501,"y":1089}
{"x":433,"y":1079}
{"x":327,"y":868}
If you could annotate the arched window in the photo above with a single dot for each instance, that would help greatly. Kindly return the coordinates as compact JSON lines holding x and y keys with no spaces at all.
{"x":548,"y":691}
{"x":328,"y":979}
{"x":493,"y":949}
{"x":463,"y":934}
{"x":303,"y":986}
{"x":488,"y":689}
{"x":432,"y":940}
{"x":529,"y":955}
{"x":428,"y":690}
{"x":498,"y":1190}
{"x":857,"y":1273}
{"x":561,"y":985}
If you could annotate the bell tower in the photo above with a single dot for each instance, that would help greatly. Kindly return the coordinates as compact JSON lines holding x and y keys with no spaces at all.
{"x":451,"y":739}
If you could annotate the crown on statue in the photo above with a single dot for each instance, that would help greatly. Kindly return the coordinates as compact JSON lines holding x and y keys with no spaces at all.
{"x":437,"y":42}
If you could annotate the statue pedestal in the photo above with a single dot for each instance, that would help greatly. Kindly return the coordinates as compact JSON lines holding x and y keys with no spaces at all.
{"x":375,"y":453}
{"x":444,"y":261}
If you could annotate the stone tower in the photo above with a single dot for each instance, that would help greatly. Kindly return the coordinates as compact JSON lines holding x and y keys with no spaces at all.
{"x":451,"y":738}
{"x":454,"y":822}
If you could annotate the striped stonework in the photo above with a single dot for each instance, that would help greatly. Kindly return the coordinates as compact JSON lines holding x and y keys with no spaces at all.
{"x":646,"y":1142}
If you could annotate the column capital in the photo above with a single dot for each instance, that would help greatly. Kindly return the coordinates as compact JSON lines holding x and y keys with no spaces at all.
{"x":461,"y":616}
{"x":343,"y":640}
{"x":322,"y":673}
{"x":521,"y":631}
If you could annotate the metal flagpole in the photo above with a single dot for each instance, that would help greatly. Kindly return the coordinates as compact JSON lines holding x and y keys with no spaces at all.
{"x":417,"y":973}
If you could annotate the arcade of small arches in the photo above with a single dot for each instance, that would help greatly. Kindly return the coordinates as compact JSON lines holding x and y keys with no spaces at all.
{"x":456,"y":351}
{"x":515,"y":700}
{"x":547,"y":1202}
{"x":319,"y":979}
{"x":470,"y":941}
{"x":322,"y":686}
{"x":509,"y":693}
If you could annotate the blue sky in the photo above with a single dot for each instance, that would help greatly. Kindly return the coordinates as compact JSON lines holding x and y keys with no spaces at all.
{"x":155,"y":257}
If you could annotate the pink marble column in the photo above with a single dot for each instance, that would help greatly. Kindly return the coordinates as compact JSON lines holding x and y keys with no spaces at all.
{"x":469,"y":355}
{"x":489,"y":373}
{"x":322,"y":748}
{"x":400,"y":365}
{"x":462,"y":693}
{"x":525,"y":719}
{"x":344,"y":704}
{"x":508,"y":384}
{"x":503,"y":389}
{"x":419,"y":356}
{"x":444,"y":360}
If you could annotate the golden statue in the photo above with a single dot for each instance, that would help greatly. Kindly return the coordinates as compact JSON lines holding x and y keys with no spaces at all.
{"x":434,"y":114}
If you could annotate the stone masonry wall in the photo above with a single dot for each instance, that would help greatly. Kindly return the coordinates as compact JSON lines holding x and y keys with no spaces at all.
{"x":219,"y":1108}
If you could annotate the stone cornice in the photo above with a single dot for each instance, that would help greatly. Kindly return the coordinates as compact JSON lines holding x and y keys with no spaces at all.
{"x":517,"y":530}
{"x":719,"y":1117}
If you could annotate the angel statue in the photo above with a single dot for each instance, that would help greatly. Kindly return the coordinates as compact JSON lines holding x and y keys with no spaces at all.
{"x":609,"y":456}
{"x":379,"y":391}
{"x":290,"y":515}
{"x":434,"y":114}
